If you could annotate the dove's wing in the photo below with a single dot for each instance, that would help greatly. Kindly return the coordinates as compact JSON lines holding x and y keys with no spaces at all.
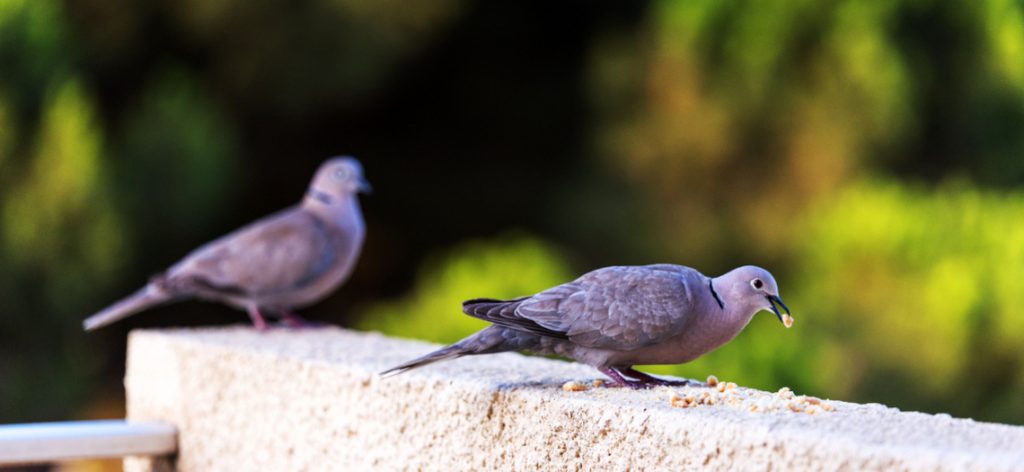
{"x":282,"y":252}
{"x":620,"y":308}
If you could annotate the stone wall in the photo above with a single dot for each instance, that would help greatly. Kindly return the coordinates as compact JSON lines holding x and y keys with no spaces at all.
{"x":312,"y":400}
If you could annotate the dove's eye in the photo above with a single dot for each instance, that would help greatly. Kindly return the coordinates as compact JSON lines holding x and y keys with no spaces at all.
{"x":341,"y":173}
{"x":757,"y":284}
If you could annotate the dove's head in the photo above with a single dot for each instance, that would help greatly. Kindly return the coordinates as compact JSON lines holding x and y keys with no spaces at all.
{"x":336,"y":178}
{"x":755,"y":289}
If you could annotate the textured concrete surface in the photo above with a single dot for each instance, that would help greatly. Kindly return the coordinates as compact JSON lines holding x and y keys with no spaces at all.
{"x":311,"y":400}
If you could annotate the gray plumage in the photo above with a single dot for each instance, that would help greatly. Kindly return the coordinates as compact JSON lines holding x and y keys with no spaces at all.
{"x":284,"y":261}
{"x":616,"y":317}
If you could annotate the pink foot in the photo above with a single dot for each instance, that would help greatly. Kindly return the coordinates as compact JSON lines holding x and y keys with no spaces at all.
{"x":258,"y":321}
{"x":618,"y":381}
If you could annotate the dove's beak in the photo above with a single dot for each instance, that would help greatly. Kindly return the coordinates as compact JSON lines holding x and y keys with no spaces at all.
{"x":364,"y":186}
{"x":772,"y":300}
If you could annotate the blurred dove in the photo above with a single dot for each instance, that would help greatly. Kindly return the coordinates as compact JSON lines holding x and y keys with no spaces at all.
{"x":616,"y":317}
{"x":287,"y":260}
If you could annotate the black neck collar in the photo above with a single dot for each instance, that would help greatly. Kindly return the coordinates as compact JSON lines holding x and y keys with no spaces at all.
{"x":320,"y":196}
{"x":718,"y":299}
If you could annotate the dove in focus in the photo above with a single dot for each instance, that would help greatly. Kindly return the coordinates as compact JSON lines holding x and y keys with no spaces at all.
{"x":287,"y":260}
{"x":617,"y":317}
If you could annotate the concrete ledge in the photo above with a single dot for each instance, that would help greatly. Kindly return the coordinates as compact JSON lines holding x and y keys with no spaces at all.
{"x":311,"y":400}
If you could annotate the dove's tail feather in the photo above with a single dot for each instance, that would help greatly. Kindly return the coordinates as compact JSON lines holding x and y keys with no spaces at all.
{"x":486,"y":341}
{"x":147,"y":297}
{"x":450,"y":352}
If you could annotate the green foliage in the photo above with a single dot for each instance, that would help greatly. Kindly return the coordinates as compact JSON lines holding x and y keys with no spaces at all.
{"x":33,"y":50}
{"x":919,"y":292}
{"x":290,"y":57}
{"x":62,"y":239}
{"x":70,"y":219}
{"x":793,"y":99}
{"x":63,"y":196}
{"x":179,"y":151}
{"x":504,"y":267}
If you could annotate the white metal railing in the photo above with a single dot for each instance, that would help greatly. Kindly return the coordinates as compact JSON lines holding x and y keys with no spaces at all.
{"x":54,"y":442}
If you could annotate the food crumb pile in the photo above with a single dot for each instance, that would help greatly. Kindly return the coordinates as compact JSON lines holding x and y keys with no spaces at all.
{"x":728,"y":394}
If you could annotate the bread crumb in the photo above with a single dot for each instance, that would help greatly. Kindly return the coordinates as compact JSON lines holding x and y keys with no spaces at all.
{"x":573,"y":386}
{"x":679,"y":402}
{"x":787,"y":321}
{"x":730,"y":395}
{"x":598,"y":383}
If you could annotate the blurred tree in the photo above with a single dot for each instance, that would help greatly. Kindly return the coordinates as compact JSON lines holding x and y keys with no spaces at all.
{"x":508,"y":266}
{"x":176,"y":148}
{"x":731,"y":117}
{"x":919,"y":293}
{"x":33,"y":53}
{"x":63,"y":240}
{"x":289,"y":58}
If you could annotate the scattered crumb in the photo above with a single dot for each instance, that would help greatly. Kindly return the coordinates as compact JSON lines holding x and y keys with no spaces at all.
{"x":574,"y":386}
{"x":787,"y":320}
{"x":730,"y":395}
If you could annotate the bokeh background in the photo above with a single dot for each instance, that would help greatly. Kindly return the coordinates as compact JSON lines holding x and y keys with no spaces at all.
{"x":869,"y":153}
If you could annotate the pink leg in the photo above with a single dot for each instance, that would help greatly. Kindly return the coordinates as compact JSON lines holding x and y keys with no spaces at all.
{"x":619,"y":381}
{"x":258,"y":321}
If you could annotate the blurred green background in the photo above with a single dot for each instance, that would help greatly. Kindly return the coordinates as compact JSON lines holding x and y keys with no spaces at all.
{"x":869,"y":153}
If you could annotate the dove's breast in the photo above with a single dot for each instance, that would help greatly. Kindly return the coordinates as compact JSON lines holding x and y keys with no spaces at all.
{"x":338,"y":260}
